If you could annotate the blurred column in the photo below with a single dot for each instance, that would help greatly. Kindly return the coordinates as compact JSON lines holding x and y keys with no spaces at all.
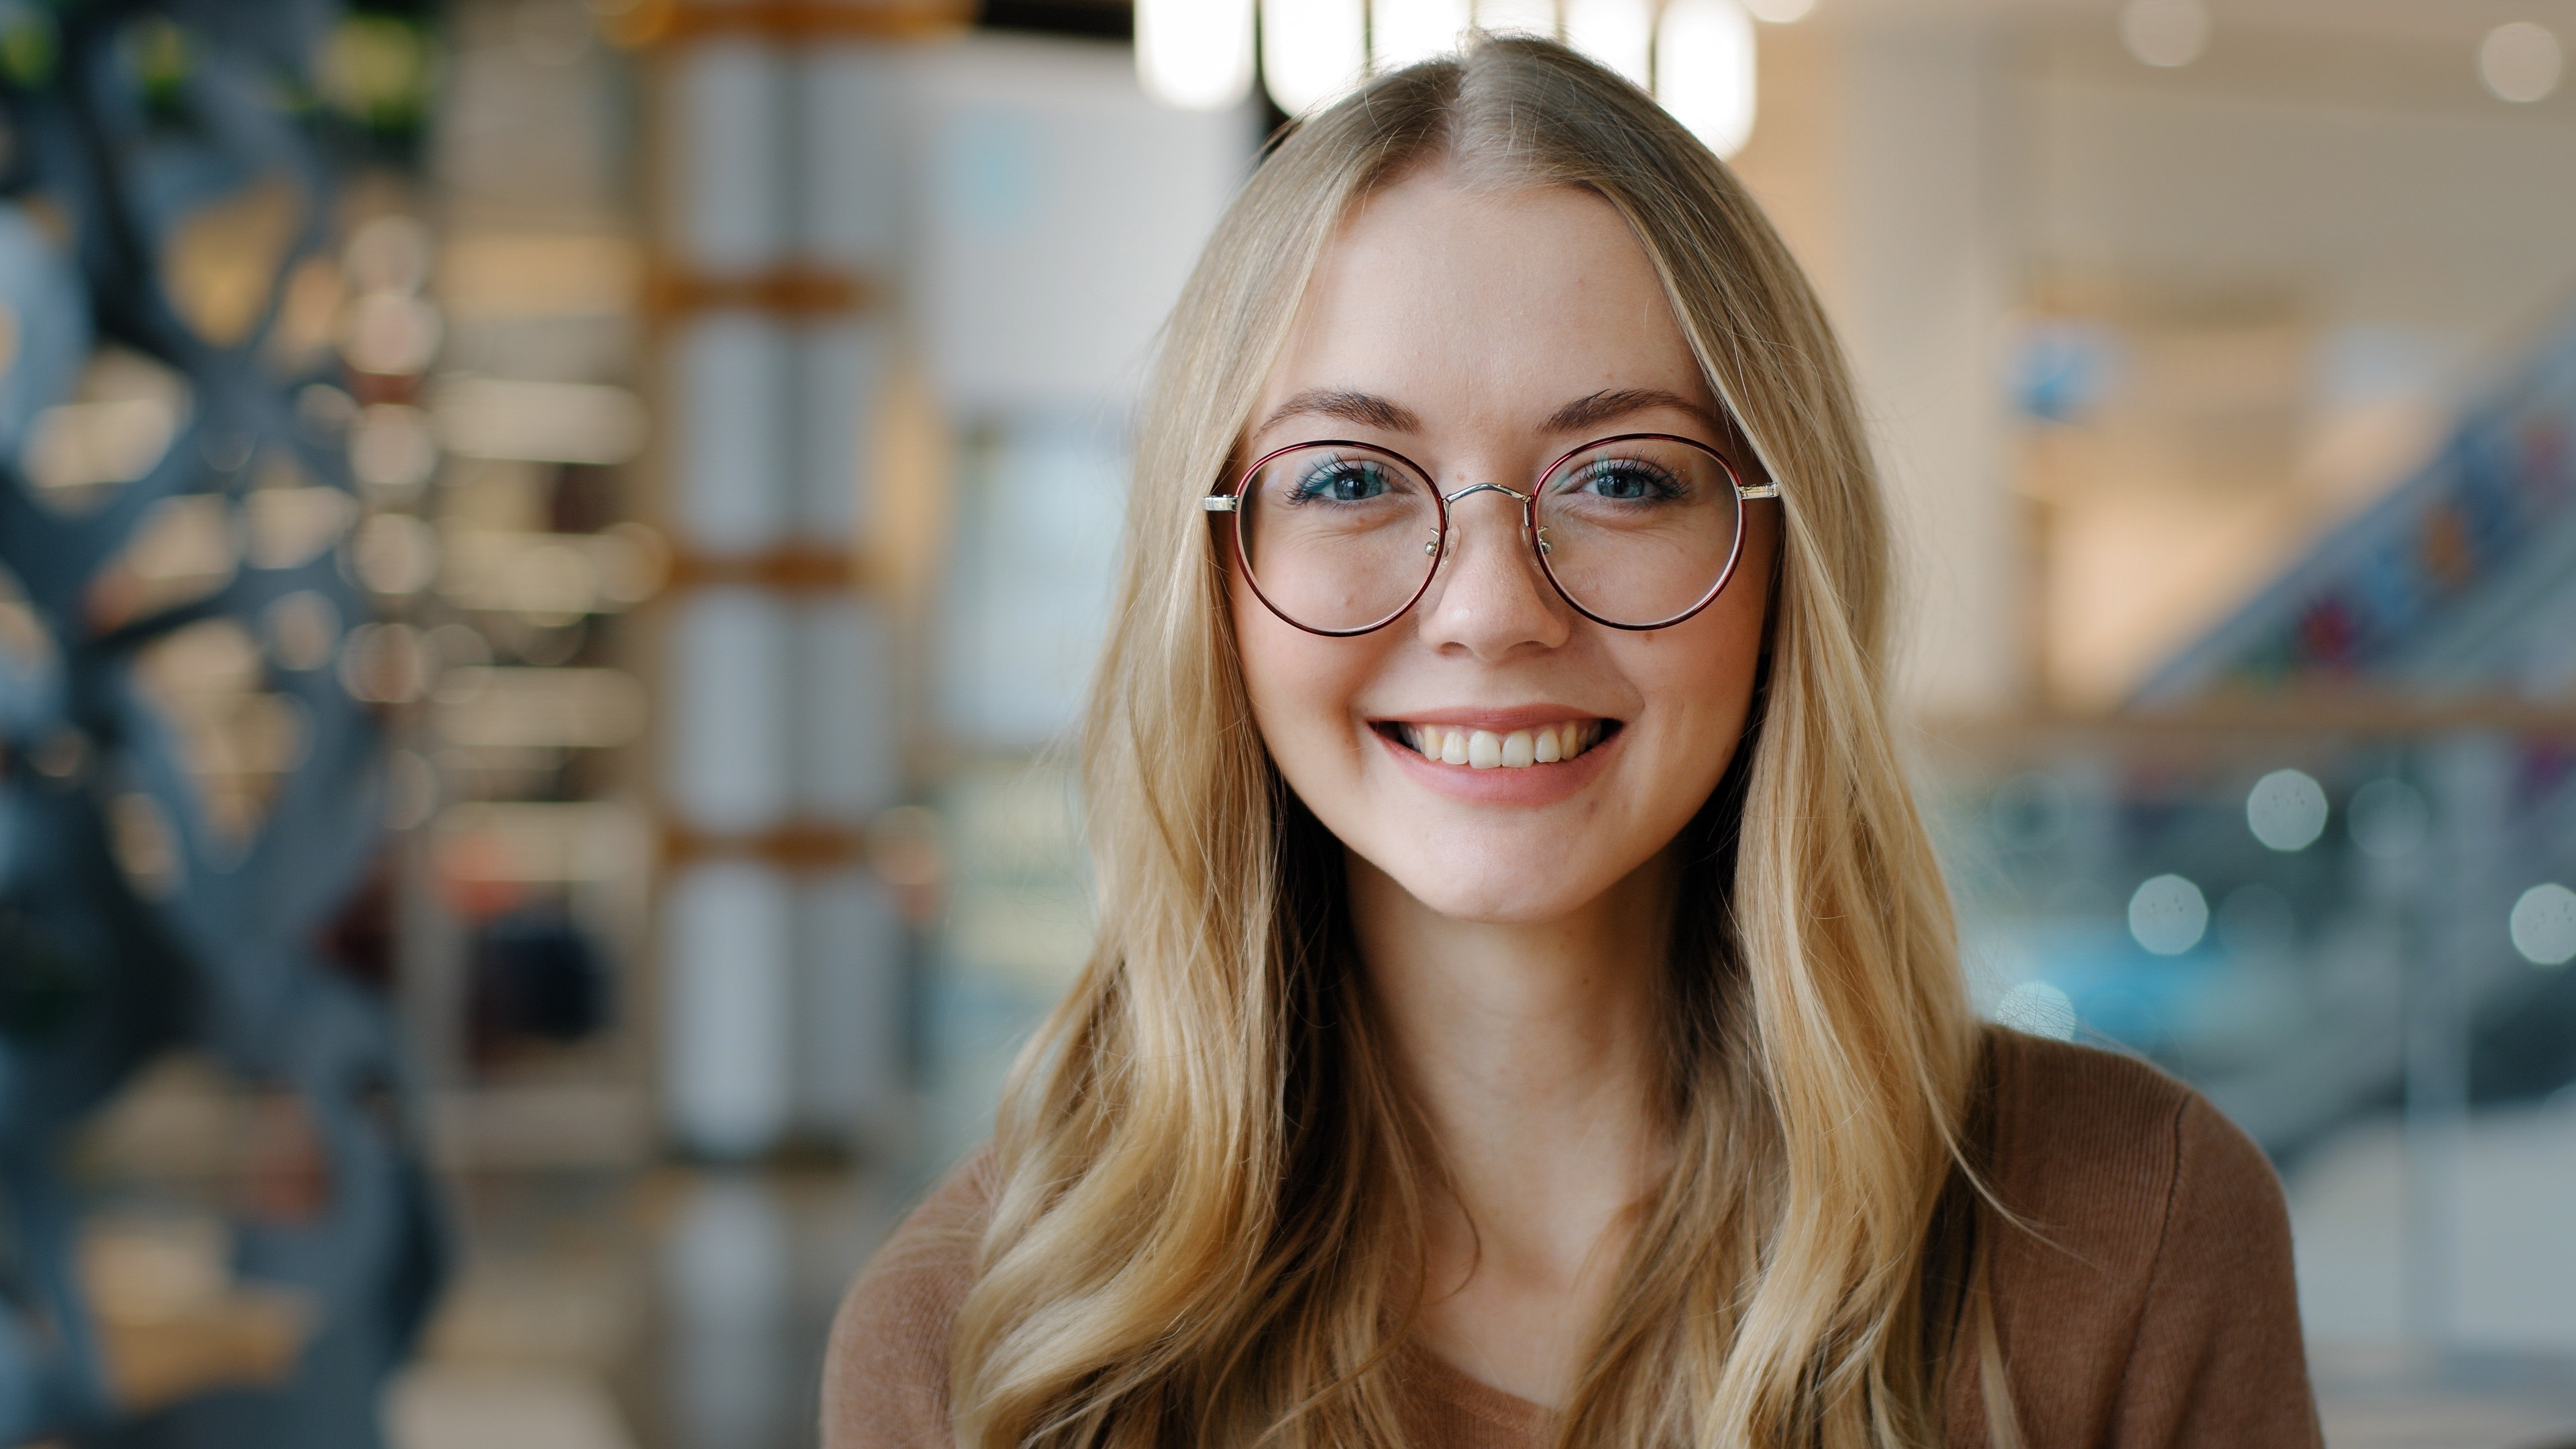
{"x":1930,"y":260}
{"x":782,"y":960}
{"x":851,"y":944}
{"x":735,"y":1383}
{"x":728,"y":1003}
{"x":2457,"y":930}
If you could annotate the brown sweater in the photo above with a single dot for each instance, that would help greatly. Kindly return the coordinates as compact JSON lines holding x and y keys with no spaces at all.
{"x":2158,"y":1312}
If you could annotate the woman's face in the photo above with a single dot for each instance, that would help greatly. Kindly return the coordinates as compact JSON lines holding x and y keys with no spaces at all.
{"x":1482,"y":335}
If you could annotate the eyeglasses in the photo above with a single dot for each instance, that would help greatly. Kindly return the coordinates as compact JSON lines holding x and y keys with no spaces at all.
{"x":1639,"y":531}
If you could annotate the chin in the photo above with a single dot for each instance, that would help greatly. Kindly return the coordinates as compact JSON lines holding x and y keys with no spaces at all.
{"x":1492,"y":895}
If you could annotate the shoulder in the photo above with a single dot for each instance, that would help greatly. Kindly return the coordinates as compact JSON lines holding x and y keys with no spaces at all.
{"x":2107,"y":1153}
{"x":2146,"y":1272}
{"x":885,"y":1374}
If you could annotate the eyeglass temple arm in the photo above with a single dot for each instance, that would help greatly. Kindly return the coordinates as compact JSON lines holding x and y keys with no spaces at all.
{"x":1225,"y":502}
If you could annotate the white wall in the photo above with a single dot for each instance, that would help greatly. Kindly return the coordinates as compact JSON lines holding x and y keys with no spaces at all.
{"x":2402,"y":215}
{"x":1928,"y":262}
{"x":1060,"y":212}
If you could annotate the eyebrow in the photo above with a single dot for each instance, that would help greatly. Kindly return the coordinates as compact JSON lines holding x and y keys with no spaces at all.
{"x":1611,"y":404}
{"x":1364,"y":408}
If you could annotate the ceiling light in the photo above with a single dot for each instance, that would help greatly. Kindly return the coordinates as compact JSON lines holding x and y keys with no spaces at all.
{"x":1404,"y":31}
{"x":1617,"y":33}
{"x":1311,"y":50}
{"x":1704,"y":70}
{"x":1195,"y":54}
{"x":1517,"y":17}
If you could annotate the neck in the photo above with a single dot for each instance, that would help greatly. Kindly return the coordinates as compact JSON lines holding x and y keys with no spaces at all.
{"x":1533,"y":1055}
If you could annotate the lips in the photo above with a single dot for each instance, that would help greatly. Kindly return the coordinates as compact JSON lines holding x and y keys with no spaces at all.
{"x":1497,"y":753}
{"x":1503,"y":748}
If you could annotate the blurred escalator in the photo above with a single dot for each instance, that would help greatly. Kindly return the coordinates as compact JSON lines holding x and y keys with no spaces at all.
{"x":2440,"y":624}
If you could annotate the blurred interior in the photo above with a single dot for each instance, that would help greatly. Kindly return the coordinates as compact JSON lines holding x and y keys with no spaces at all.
{"x":735,"y":403}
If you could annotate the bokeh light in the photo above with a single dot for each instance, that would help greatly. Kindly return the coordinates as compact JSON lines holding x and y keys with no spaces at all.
{"x":2039,"y":1009}
{"x":2544,"y":925}
{"x":2168,"y":915}
{"x":390,"y":334}
{"x":396,"y":554}
{"x":2521,"y":62}
{"x":2286,"y":810}
{"x":303,"y":629}
{"x":392,"y":448}
{"x":2165,"y":33}
{"x":1781,"y":12}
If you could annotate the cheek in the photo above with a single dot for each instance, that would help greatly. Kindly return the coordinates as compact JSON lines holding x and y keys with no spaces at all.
{"x":1301,"y":685}
{"x":1705,"y":693}
{"x":1699,"y":678}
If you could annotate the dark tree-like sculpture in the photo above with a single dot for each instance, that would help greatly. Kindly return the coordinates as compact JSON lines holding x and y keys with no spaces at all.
{"x":133,"y":922}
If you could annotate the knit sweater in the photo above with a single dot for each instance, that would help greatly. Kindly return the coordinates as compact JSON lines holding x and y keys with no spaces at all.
{"x":2147,"y":1304}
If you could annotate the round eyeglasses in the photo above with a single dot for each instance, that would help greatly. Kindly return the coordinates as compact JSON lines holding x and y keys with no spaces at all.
{"x":1640,"y":531}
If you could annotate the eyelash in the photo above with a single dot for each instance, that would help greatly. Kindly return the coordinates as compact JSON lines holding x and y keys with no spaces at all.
{"x":1657,"y":479}
{"x":1316,"y":481}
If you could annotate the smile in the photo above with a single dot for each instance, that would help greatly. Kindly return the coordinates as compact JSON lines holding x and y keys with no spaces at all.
{"x":1514,"y":749}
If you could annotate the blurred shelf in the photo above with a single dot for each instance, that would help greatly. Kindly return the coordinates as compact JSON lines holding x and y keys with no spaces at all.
{"x":791,"y":846}
{"x":794,"y":568}
{"x":793,"y":289}
{"x":667,"y":22}
{"x":534,"y":1127}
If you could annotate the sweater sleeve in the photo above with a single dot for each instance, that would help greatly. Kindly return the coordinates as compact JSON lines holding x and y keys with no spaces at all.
{"x":2217,"y":1359}
{"x":885,"y":1373}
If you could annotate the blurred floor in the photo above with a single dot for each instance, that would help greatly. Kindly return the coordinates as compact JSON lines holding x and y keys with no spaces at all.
{"x":2509,"y":1278}
{"x":2392,"y":1399}
{"x":684,"y":1309}
{"x":670,"y":1309}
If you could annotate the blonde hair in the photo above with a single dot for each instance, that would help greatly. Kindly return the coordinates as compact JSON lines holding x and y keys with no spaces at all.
{"x":1210,"y":1218}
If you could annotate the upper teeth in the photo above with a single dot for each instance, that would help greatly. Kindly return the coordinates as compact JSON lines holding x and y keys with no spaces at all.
{"x":1486,"y":750}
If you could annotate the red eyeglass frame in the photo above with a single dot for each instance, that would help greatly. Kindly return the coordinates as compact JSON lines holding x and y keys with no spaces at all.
{"x":1231,"y":502}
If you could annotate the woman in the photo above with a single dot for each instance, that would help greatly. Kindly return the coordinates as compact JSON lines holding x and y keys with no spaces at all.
{"x":1526,"y":1008}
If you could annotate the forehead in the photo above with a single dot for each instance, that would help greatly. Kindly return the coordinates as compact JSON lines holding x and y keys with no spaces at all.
{"x":1442,"y":296}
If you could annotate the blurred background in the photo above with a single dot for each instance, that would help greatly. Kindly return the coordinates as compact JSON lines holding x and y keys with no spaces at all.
{"x":548,"y":551}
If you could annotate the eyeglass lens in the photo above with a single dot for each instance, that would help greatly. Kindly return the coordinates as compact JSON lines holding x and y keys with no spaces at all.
{"x":1637,"y":532}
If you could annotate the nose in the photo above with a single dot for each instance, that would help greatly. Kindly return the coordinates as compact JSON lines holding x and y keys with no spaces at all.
{"x":1488,"y":597}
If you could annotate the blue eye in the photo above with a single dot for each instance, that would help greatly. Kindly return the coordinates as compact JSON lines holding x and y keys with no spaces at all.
{"x":1343,"y":480}
{"x":1627,"y":480}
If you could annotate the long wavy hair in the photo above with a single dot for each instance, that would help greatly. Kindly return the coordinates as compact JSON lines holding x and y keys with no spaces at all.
{"x":1212,"y":1192}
